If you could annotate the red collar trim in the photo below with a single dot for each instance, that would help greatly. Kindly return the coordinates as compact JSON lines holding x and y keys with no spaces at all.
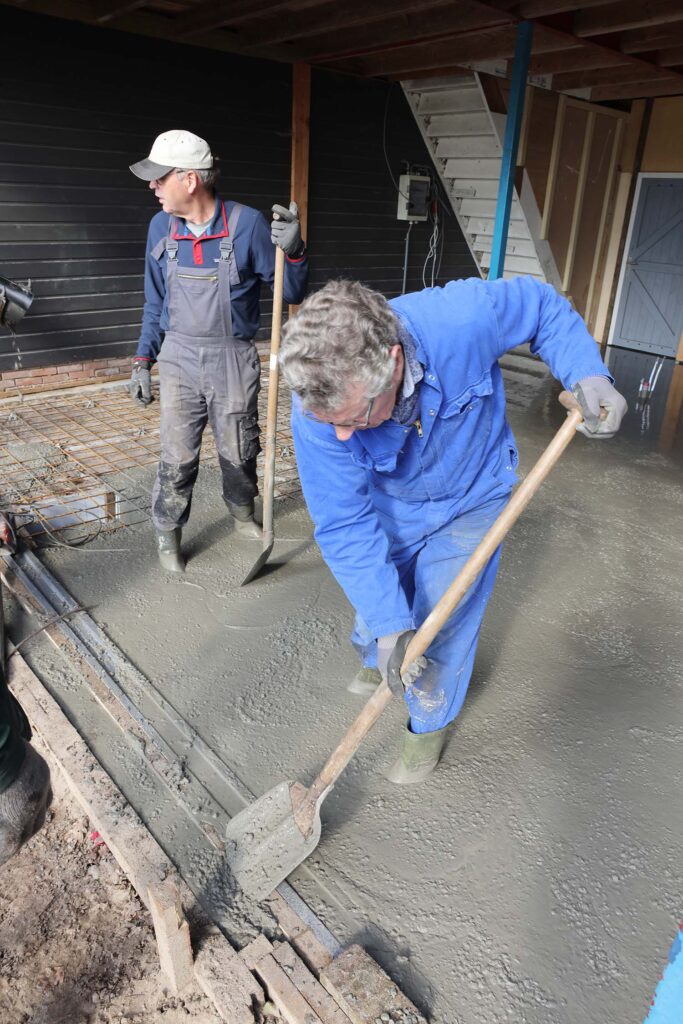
{"x":197,"y":256}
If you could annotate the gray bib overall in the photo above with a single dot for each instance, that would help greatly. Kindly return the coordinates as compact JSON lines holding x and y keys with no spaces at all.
{"x":206,"y":375}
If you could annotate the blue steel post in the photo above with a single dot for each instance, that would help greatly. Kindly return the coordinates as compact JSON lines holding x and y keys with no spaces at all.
{"x":513,"y":124}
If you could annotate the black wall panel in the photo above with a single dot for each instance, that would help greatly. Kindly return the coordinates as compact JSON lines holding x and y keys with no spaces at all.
{"x":75,"y":113}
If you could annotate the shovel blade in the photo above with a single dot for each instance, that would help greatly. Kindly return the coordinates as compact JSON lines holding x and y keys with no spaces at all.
{"x":264,"y":843}
{"x":258,"y":564}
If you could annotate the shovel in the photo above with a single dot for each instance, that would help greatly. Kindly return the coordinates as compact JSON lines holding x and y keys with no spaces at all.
{"x":266,"y":841}
{"x":271,"y":420}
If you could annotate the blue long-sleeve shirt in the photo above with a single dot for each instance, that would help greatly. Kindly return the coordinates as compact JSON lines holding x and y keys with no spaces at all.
{"x":388,"y":487}
{"x":255,"y":256}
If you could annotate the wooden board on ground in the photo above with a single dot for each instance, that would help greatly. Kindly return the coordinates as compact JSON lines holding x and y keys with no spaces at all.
{"x":365,"y":993}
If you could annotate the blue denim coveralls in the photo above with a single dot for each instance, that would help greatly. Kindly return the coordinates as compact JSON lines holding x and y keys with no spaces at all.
{"x":399,"y":508}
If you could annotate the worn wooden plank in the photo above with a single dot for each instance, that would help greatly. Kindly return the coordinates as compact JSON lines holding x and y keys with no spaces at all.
{"x":173,"y":936}
{"x":133,"y":847}
{"x":309,"y":948}
{"x":364,"y":992}
{"x":284,"y":994}
{"x":227,"y":981}
{"x":315,"y":995}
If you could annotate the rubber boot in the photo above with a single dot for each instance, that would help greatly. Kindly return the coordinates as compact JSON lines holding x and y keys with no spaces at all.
{"x":168,"y":546}
{"x":419,"y":756}
{"x":245,"y":524}
{"x":365,"y":682}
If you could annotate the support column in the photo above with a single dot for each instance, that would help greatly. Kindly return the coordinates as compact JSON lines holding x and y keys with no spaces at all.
{"x":301,"y":120}
{"x":513,"y":124}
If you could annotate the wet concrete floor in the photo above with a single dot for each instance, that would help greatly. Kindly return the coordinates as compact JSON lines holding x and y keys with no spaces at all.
{"x":536,"y":876}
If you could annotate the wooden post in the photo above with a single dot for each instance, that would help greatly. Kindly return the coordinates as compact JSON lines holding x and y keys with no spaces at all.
{"x":554,"y":166}
{"x":578,"y":202}
{"x":301,"y":135}
{"x":173,"y":936}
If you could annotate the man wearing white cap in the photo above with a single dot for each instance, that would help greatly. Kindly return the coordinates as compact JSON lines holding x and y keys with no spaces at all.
{"x":205,"y":261}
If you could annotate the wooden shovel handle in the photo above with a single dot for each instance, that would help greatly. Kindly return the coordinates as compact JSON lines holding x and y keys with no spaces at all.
{"x":273,"y":381}
{"x":305,"y":811}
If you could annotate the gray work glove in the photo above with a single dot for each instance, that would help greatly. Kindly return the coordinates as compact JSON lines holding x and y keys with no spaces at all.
{"x":24,"y":804}
{"x":285,"y":230}
{"x":140,"y":386}
{"x":595,"y":394}
{"x":391,"y":650}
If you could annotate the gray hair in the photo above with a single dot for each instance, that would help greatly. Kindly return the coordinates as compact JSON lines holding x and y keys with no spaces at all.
{"x":341,"y":336}
{"x":207,"y":175}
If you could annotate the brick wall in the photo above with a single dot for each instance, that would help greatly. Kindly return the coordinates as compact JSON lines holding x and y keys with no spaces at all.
{"x":47,"y":378}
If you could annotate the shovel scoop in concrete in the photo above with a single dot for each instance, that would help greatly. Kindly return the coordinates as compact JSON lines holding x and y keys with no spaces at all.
{"x":267,"y":840}
{"x":265,"y":843}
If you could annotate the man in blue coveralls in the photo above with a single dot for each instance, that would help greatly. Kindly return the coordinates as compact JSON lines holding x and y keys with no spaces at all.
{"x":205,"y":261}
{"x":406,"y":459}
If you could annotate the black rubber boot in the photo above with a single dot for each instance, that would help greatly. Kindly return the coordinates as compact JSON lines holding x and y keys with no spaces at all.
{"x":419,"y":756}
{"x":168,"y":546}
{"x":245,"y":524}
{"x":365,"y":682}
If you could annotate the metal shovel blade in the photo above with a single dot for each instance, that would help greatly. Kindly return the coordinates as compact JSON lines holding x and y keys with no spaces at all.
{"x":264,"y":843}
{"x":258,"y":564}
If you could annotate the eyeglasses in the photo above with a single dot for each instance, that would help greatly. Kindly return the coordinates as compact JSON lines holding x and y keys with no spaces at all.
{"x":353,"y":423}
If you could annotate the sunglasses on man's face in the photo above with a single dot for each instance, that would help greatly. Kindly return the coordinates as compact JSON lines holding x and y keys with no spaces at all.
{"x":353,"y":423}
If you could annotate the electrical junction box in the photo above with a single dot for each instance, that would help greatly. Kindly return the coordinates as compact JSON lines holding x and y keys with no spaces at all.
{"x":413,"y":197}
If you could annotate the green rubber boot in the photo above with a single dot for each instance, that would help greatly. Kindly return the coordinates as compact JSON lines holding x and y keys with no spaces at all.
{"x":365,"y":682}
{"x":168,"y":546}
{"x":245,"y":524}
{"x":419,"y":756}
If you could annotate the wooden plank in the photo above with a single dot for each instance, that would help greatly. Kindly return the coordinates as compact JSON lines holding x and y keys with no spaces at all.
{"x":227,"y":981}
{"x":364,"y":992}
{"x":637,"y":90}
{"x":255,"y":951}
{"x":301,"y":139}
{"x":133,"y":847}
{"x":310,"y":949}
{"x":553,"y":168}
{"x":578,"y":201}
{"x":313,"y":992}
{"x":625,"y":15}
{"x":173,"y":936}
{"x":607,"y":199}
{"x":283,"y":993}
{"x":673,"y":412}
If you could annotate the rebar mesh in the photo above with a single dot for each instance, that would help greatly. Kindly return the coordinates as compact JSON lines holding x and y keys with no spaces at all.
{"x":63,"y":458}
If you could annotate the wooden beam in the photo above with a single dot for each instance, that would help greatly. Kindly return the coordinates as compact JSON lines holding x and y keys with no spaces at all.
{"x":637,"y":90}
{"x":488,"y":44}
{"x":671,"y":57}
{"x":578,"y":202}
{"x":336,"y":32}
{"x":673,"y":412}
{"x":640,"y":72}
{"x":626,"y":15}
{"x":142,"y":23}
{"x":211,"y":14}
{"x":172,"y":934}
{"x":110,"y":9}
{"x":546,"y":8}
{"x":578,"y":58}
{"x":644,"y":40}
{"x":607,"y":203}
{"x":553,"y":167}
{"x":301,"y":140}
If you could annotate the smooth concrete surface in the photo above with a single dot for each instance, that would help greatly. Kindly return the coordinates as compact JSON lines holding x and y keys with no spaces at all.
{"x":536,"y":876}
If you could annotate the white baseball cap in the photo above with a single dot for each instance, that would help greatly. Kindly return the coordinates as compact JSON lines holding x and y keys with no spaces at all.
{"x":174,"y":149}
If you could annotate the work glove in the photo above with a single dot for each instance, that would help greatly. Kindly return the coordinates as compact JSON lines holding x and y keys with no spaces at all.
{"x":285,"y":230}
{"x":595,"y":394}
{"x":140,"y":386}
{"x":24,"y":804}
{"x":391,"y":651}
